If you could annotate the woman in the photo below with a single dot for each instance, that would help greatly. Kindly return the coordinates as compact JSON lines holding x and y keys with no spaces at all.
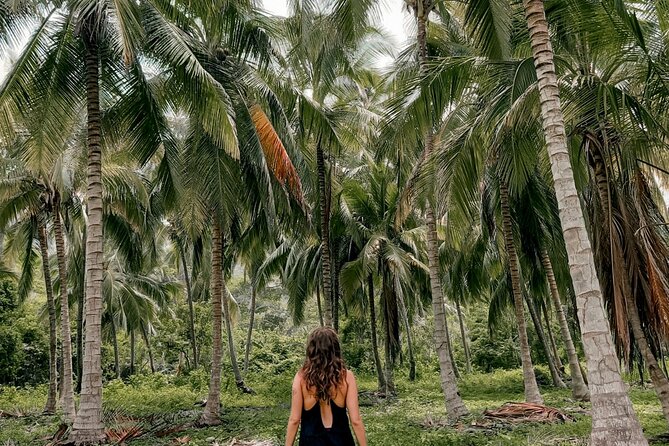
{"x":323,"y":390}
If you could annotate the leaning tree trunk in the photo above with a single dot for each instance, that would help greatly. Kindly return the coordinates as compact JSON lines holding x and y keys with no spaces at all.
{"x":456,"y":372}
{"x":318,"y":302}
{"x":191,"y":313}
{"x":52,"y":397}
{"x":532,"y":394}
{"x":114,"y":335}
{"x":325,"y":236}
{"x":536,"y":320}
{"x":407,"y":328}
{"x":145,"y":335}
{"x":455,"y":407}
{"x":551,"y":338}
{"x":249,"y":334}
{"x":66,"y":377}
{"x":375,"y":343}
{"x":88,"y":427}
{"x":579,"y":389}
{"x":239,"y":379}
{"x":211,"y":414}
{"x":463,"y":334}
{"x":614,"y":421}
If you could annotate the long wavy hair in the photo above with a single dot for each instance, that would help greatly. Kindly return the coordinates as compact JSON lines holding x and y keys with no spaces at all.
{"x":324,"y":369}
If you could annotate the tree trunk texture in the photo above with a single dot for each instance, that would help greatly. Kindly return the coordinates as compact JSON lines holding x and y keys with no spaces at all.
{"x":191,"y":312}
{"x":318,"y":302}
{"x":66,"y":377}
{"x":325,"y":236}
{"x":249,"y":334}
{"x":455,"y":407}
{"x":80,"y":339}
{"x":52,"y":398}
{"x":117,"y":363}
{"x":145,"y":335}
{"x":614,"y":421}
{"x":532,"y":394}
{"x":463,"y":335}
{"x":375,"y":343}
{"x":456,"y":371}
{"x":335,"y":292}
{"x":88,"y":427}
{"x":211,"y":414}
{"x":551,"y":338}
{"x":239,"y":379}
{"x":579,"y":389}
{"x":536,"y":320}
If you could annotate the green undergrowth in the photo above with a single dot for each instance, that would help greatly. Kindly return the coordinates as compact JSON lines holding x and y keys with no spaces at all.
{"x":415,"y":417}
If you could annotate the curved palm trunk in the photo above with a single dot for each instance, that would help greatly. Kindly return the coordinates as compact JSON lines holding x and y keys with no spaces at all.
{"x":551,"y":338}
{"x":211,"y":414}
{"x":249,"y":334}
{"x":117,"y":362}
{"x":66,"y":377}
{"x":614,"y":421}
{"x":536,"y":320}
{"x":407,"y":328}
{"x":88,"y":427}
{"x":532,"y":394}
{"x":191,"y":313}
{"x":456,"y":372}
{"x":455,"y":407}
{"x":463,"y":335}
{"x":325,"y":236}
{"x":318,"y":302}
{"x":375,"y":343}
{"x":52,"y":397}
{"x":239,"y":379}
{"x":145,"y":335}
{"x":579,"y":389}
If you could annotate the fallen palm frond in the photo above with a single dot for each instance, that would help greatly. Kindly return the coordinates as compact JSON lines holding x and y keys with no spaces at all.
{"x":527,"y":413}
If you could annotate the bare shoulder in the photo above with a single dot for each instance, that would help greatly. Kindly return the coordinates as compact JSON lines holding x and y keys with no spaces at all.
{"x":350,"y":377}
{"x":297,"y":381}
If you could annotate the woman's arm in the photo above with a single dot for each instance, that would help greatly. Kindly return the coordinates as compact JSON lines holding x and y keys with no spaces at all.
{"x":295,"y":411}
{"x":354,"y":409}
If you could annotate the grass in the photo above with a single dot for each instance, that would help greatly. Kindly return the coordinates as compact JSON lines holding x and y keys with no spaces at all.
{"x":399,"y":422}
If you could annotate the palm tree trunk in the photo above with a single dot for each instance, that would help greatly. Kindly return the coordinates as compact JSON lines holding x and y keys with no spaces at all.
{"x":80,"y":339}
{"x":551,"y":338}
{"x":463,"y":334}
{"x":325,"y":235}
{"x":335,"y":292}
{"x":318,"y":302}
{"x":579,"y":389}
{"x":249,"y":334}
{"x":407,"y":328}
{"x":389,"y":388}
{"x":88,"y":426}
{"x":614,"y":421}
{"x":52,"y":397}
{"x":455,"y":407}
{"x":456,"y":371}
{"x":375,"y":343}
{"x":117,"y":363}
{"x":191,"y":313}
{"x":536,"y":320}
{"x":66,"y":377}
{"x":239,"y":379}
{"x":132,"y":351}
{"x":145,"y":335}
{"x":532,"y":394}
{"x":211,"y":414}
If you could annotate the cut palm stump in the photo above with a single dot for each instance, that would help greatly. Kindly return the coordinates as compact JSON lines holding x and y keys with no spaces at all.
{"x":527,"y":413}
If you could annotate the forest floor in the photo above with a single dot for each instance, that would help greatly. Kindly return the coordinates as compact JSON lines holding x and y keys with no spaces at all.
{"x":162,"y":410}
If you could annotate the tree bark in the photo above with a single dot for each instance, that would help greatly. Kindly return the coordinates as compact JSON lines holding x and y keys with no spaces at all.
{"x":318,"y":302}
{"x":189,"y":296}
{"x":145,"y":335}
{"x":465,"y":341}
{"x":551,"y":338}
{"x":249,"y":334}
{"x":614,"y":421}
{"x":88,"y":427}
{"x":52,"y":398}
{"x":455,"y":407}
{"x":66,"y":378}
{"x":532,"y":394}
{"x":335,"y":292}
{"x":117,"y":362}
{"x":375,"y":343}
{"x":211,"y":414}
{"x":407,"y":328}
{"x":579,"y":389}
{"x":239,"y":379}
{"x":80,"y":339}
{"x":536,"y":320}
{"x":325,"y":236}
{"x":456,"y":371}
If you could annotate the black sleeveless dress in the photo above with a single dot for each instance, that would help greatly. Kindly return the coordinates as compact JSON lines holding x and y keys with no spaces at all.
{"x":313,"y":433}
